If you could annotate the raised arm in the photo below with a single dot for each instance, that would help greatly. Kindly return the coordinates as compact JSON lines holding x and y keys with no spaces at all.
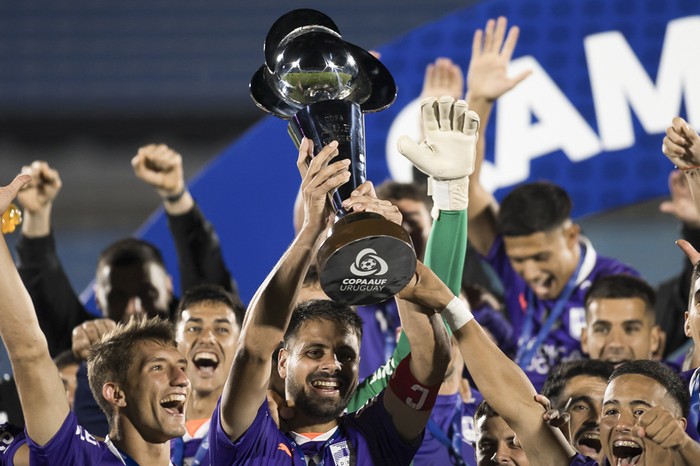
{"x":198,"y":248}
{"x":487,"y":80}
{"x":682,"y":146}
{"x":57,"y":305}
{"x":271,"y":308}
{"x":414,"y":386}
{"x":40,"y":388}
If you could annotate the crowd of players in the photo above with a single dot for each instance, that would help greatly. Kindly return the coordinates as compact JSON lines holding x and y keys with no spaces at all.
{"x":514,"y":343}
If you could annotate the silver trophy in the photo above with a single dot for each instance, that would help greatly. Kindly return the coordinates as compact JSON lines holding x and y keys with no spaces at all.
{"x":323,"y":85}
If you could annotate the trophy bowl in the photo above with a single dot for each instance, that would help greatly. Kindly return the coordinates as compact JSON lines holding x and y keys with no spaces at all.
{"x":323,"y":85}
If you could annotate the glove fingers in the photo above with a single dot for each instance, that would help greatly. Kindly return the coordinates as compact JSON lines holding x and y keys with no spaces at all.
{"x":445,"y":112}
{"x":471,"y":125}
{"x":459,"y":112}
{"x":429,"y":117}
{"x":414,"y":152}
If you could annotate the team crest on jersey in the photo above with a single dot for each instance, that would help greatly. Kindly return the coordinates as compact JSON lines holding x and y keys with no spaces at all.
{"x":341,"y":453}
{"x":577,"y":322}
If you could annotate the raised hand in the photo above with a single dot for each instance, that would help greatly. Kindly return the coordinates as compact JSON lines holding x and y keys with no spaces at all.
{"x":87,"y":334}
{"x":682,"y":145}
{"x":161,"y":167}
{"x":364,"y":199}
{"x":443,"y":78}
{"x":319,"y":178}
{"x":9,"y":192}
{"x":661,"y":427}
{"x":43,"y":189}
{"x":487,"y":77}
{"x":681,"y":204}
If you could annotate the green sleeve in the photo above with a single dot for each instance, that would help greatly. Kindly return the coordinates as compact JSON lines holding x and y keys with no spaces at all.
{"x":445,"y":253}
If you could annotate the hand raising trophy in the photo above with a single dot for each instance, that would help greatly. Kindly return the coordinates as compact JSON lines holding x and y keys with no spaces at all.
{"x":323,"y":85}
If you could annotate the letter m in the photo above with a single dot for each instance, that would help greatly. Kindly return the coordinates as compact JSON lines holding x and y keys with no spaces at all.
{"x":619,"y":82}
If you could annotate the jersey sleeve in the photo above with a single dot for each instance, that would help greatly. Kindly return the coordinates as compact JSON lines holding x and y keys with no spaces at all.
{"x":71,"y":445}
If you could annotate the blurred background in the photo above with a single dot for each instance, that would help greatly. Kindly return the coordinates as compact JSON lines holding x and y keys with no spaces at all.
{"x":83,"y":84}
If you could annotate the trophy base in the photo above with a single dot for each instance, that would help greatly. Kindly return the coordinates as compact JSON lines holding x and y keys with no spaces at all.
{"x":365,"y":259}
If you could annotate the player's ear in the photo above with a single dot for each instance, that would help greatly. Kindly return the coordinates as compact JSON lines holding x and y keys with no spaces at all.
{"x":282,"y":363}
{"x":112,"y":392}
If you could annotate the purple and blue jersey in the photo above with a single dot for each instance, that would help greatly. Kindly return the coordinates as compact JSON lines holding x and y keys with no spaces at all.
{"x":73,"y":445}
{"x":580,"y":460}
{"x":451,"y":420}
{"x":563,"y":342}
{"x":379,"y":324}
{"x":11,"y":438}
{"x":191,"y":450}
{"x":367,"y":437}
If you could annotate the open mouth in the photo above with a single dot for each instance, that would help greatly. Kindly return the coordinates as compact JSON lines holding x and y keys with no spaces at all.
{"x":589,"y":443}
{"x":174,"y":403}
{"x":627,"y":452}
{"x":327,"y":385}
{"x":543,"y":286}
{"x":206,"y":362}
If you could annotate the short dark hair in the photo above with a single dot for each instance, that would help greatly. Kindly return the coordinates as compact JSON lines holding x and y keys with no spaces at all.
{"x":110,"y":358}
{"x":562,"y":373}
{"x":484,"y":410}
{"x":663,"y":374}
{"x":393,"y":190}
{"x":209,"y":293}
{"x":621,"y":286}
{"x":130,"y":251}
{"x":533,"y":208}
{"x":323,"y":309}
{"x":66,"y":358}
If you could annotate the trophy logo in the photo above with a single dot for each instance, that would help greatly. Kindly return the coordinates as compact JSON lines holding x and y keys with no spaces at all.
{"x":368,"y":263}
{"x":323,"y":85}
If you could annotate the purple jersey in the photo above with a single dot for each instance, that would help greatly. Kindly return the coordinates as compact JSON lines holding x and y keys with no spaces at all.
{"x":183,"y":450}
{"x":379,"y":323}
{"x":455,"y":419}
{"x":367,"y":437}
{"x":11,"y":438}
{"x":563,"y":343}
{"x":72,"y":445}
{"x":580,"y":460}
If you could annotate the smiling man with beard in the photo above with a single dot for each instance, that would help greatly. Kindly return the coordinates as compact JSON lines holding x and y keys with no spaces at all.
{"x":319,"y":362}
{"x":577,"y":388}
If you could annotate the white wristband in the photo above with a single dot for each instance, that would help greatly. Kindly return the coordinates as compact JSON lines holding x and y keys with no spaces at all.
{"x":456,"y":314}
{"x":449,"y":194}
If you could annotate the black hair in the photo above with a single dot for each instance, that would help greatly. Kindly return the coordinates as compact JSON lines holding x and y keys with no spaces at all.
{"x":621,"y":286}
{"x":562,"y":373}
{"x":209,"y":293}
{"x":130,"y":251}
{"x":533,"y":208}
{"x":663,"y":374}
{"x":393,"y":190}
{"x":323,"y":309}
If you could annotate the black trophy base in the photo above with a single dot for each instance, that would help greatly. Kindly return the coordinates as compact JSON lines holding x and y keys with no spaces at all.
{"x":366,"y":259}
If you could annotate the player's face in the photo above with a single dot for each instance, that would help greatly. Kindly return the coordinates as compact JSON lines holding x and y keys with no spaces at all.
{"x":692,"y":316}
{"x":416,"y":221}
{"x":619,"y":330}
{"x":582,"y":397}
{"x":207,"y":334}
{"x":127,"y":290}
{"x":626,"y":398}
{"x":320,"y":368}
{"x":496,"y":444}
{"x":545,"y":260}
{"x":156,"y":392}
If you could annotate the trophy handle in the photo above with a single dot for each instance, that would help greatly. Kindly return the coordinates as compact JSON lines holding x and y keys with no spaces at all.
{"x":342,"y":121}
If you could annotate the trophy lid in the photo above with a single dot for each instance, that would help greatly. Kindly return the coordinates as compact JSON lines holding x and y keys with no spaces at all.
{"x":371,"y":86}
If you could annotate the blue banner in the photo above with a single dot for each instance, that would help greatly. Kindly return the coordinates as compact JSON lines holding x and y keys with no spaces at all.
{"x":608,"y":77}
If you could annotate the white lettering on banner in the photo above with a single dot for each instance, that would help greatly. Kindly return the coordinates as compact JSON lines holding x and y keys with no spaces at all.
{"x":560,"y":126}
{"x":620,"y":85}
{"x":619,"y":81}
